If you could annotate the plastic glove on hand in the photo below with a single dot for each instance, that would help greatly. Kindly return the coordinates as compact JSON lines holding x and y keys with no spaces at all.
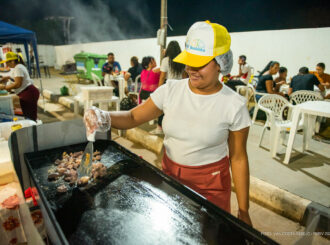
{"x":96,"y":120}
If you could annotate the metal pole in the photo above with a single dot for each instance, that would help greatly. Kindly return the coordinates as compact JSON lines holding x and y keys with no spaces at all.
{"x":163,"y":25}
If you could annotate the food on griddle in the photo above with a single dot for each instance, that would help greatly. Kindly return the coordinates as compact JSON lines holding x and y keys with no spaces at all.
{"x":98,"y":170}
{"x":83,"y":181}
{"x":62,"y":189}
{"x":66,"y":169}
{"x":53,"y":176}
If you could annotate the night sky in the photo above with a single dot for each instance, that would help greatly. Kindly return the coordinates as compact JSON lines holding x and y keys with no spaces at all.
{"x":104,"y":20}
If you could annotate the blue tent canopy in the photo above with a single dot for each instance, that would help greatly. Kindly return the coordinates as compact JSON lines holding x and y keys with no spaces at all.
{"x":14,"y":34}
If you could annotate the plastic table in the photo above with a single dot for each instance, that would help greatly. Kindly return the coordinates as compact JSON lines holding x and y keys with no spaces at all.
{"x":310,"y":110}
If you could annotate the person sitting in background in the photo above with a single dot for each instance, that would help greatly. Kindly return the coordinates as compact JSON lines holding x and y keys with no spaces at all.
{"x":133,"y":71}
{"x":168,"y":68}
{"x":149,"y":77}
{"x":282,"y":74}
{"x":111,"y":67}
{"x":244,"y":74}
{"x":266,"y":83}
{"x":323,"y":78}
{"x":304,"y":81}
{"x":244,"y":70}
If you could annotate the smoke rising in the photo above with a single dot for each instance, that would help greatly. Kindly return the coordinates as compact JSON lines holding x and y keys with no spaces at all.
{"x":93,"y":21}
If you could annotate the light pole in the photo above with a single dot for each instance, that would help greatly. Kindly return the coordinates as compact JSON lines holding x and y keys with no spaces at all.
{"x":66,"y":21}
{"x":163,"y":26}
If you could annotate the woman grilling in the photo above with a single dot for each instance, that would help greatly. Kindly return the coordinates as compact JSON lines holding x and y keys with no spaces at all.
{"x":22,"y":85}
{"x":206,"y":124}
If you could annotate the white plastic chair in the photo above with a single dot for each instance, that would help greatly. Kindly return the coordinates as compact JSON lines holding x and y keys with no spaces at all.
{"x":274,"y":105}
{"x":256,"y":105}
{"x":302,"y":96}
{"x":97,"y":81}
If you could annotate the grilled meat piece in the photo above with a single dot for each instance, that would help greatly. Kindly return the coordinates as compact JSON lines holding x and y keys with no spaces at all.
{"x":62,"y":189}
{"x":83,"y":181}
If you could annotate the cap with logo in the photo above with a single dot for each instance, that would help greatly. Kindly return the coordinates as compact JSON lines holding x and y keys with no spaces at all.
{"x":205,"y":40}
{"x":10,"y":56}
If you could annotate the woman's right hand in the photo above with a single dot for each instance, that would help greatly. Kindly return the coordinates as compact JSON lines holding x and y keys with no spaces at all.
{"x":90,"y":120}
{"x":96,"y":120}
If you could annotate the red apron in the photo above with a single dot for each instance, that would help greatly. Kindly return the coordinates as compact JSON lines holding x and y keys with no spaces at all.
{"x":212,"y":180}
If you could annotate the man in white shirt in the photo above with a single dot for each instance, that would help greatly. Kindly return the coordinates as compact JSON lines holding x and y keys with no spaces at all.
{"x":244,"y":72}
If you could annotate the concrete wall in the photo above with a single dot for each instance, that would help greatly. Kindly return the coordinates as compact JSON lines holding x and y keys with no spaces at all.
{"x":292,"y":48}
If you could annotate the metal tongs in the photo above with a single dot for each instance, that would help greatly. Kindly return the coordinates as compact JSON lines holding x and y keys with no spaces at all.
{"x":87,"y":158}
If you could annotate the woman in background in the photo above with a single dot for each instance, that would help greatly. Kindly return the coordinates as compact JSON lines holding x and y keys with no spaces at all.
{"x":169,"y":70}
{"x":23,"y":85}
{"x":149,"y":77}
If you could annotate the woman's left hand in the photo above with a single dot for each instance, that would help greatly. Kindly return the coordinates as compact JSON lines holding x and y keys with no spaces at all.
{"x":244,"y":216}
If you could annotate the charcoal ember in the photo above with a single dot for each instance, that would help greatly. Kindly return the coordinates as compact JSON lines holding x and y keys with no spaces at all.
{"x":62,"y":189}
{"x":83,"y":181}
{"x":53,"y":176}
{"x":98,"y":170}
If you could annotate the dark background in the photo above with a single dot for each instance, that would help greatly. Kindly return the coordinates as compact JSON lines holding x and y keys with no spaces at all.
{"x":104,"y":20}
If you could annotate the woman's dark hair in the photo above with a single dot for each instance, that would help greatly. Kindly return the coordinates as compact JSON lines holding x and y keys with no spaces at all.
{"x":242,"y":57}
{"x":282,"y":69}
{"x":173,"y":49}
{"x":135,"y":61}
{"x":268,"y":66}
{"x":146,"y":61}
{"x":19,"y":60}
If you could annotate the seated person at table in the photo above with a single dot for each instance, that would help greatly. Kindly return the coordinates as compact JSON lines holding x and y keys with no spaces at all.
{"x":282,"y":74}
{"x":323,"y":78}
{"x":266,"y":83}
{"x":111,"y":67}
{"x":244,"y":74}
{"x":133,"y":71}
{"x":304,"y":81}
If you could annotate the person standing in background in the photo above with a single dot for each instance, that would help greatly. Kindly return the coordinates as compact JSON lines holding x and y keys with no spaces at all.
{"x":23,"y":85}
{"x":169,"y":70}
{"x":149,"y":77}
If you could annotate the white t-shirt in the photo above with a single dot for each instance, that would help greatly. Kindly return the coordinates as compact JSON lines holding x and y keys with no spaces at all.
{"x":165,"y":67}
{"x":21,"y":71}
{"x":196,"y":126}
{"x":246,"y":68}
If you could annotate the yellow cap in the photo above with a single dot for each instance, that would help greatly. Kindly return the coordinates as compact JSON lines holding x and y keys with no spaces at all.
{"x":205,"y":40}
{"x":10,"y":56}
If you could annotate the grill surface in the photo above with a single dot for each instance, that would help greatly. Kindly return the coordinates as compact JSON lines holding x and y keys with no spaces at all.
{"x":134,"y":204}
